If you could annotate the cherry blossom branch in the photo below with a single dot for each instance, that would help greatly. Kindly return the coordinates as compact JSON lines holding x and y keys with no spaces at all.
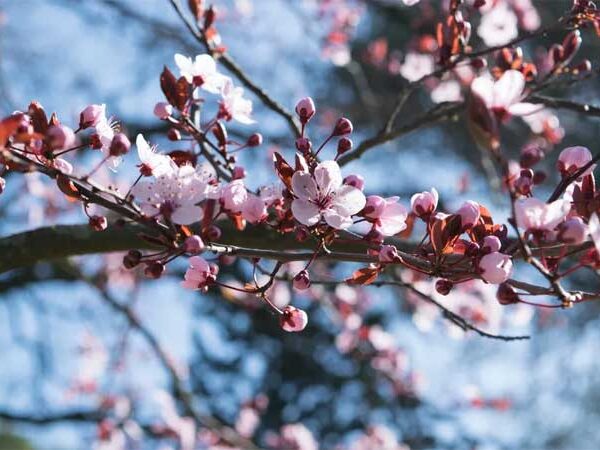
{"x":36,"y":418}
{"x":239,"y":73}
{"x":558,"y":103}
{"x":439,"y":113}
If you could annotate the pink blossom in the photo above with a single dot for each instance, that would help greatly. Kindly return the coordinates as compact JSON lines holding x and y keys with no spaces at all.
{"x":174,"y":195}
{"x":390,"y":215}
{"x":201,"y":72}
{"x":293,"y":319}
{"x":234,"y":195}
{"x":163,"y":110}
{"x":416,"y":66}
{"x":469,"y":214}
{"x":233,"y":105}
{"x":498,"y":26}
{"x":533,"y":214}
{"x":504,"y":96}
{"x":105,"y":131}
{"x":322,"y":195}
{"x":198,"y":275}
{"x":572,"y":231}
{"x":153,"y":163}
{"x":91,"y":115}
{"x":447,"y":91}
{"x":572,"y":159}
{"x":271,"y":194}
{"x":254,"y":209}
{"x":425,"y":203}
{"x":495,"y":267}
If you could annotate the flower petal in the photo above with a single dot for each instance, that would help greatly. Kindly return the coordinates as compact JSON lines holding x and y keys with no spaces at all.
{"x":336,"y":220}
{"x":304,"y":186}
{"x":186,"y":215}
{"x":305,"y":212}
{"x":348,"y":200}
{"x":508,"y":89}
{"x":328,"y":177}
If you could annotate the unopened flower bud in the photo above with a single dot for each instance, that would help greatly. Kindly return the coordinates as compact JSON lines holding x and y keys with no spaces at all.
{"x":356,"y":181}
{"x":154,"y":270}
{"x":305,"y":109}
{"x":530,"y":156}
{"x":254,"y":140}
{"x":506,"y":295}
{"x":132,"y":259}
{"x":374,"y":237}
{"x":193,"y":245}
{"x":301,"y":281}
{"x":98,"y":223}
{"x":491,"y":244}
{"x":238,"y":173}
{"x":119,"y":145}
{"x":469,"y":214}
{"x":163,"y":110}
{"x":91,"y":115}
{"x":60,"y":137}
{"x":293,"y":319}
{"x":342,"y":127}
{"x":443,"y":287}
{"x":425,"y":203}
{"x":344,"y":145}
{"x":173,"y":134}
{"x":303,"y":145}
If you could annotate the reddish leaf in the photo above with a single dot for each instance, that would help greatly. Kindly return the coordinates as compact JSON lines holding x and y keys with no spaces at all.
{"x":168,"y":84}
{"x":183,"y":92}
{"x":8,"y":127}
{"x":283,"y":169}
{"x":197,"y":8}
{"x":363,"y":276}
{"x":444,"y":232}
{"x":67,"y":187}
{"x":182,"y":157}
{"x":38,"y":116}
{"x":53,"y":120}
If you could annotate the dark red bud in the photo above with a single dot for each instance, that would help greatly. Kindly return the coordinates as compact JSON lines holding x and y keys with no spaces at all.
{"x":506,"y":295}
{"x":342,"y":127}
{"x":443,"y":287}
{"x":255,"y":140}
